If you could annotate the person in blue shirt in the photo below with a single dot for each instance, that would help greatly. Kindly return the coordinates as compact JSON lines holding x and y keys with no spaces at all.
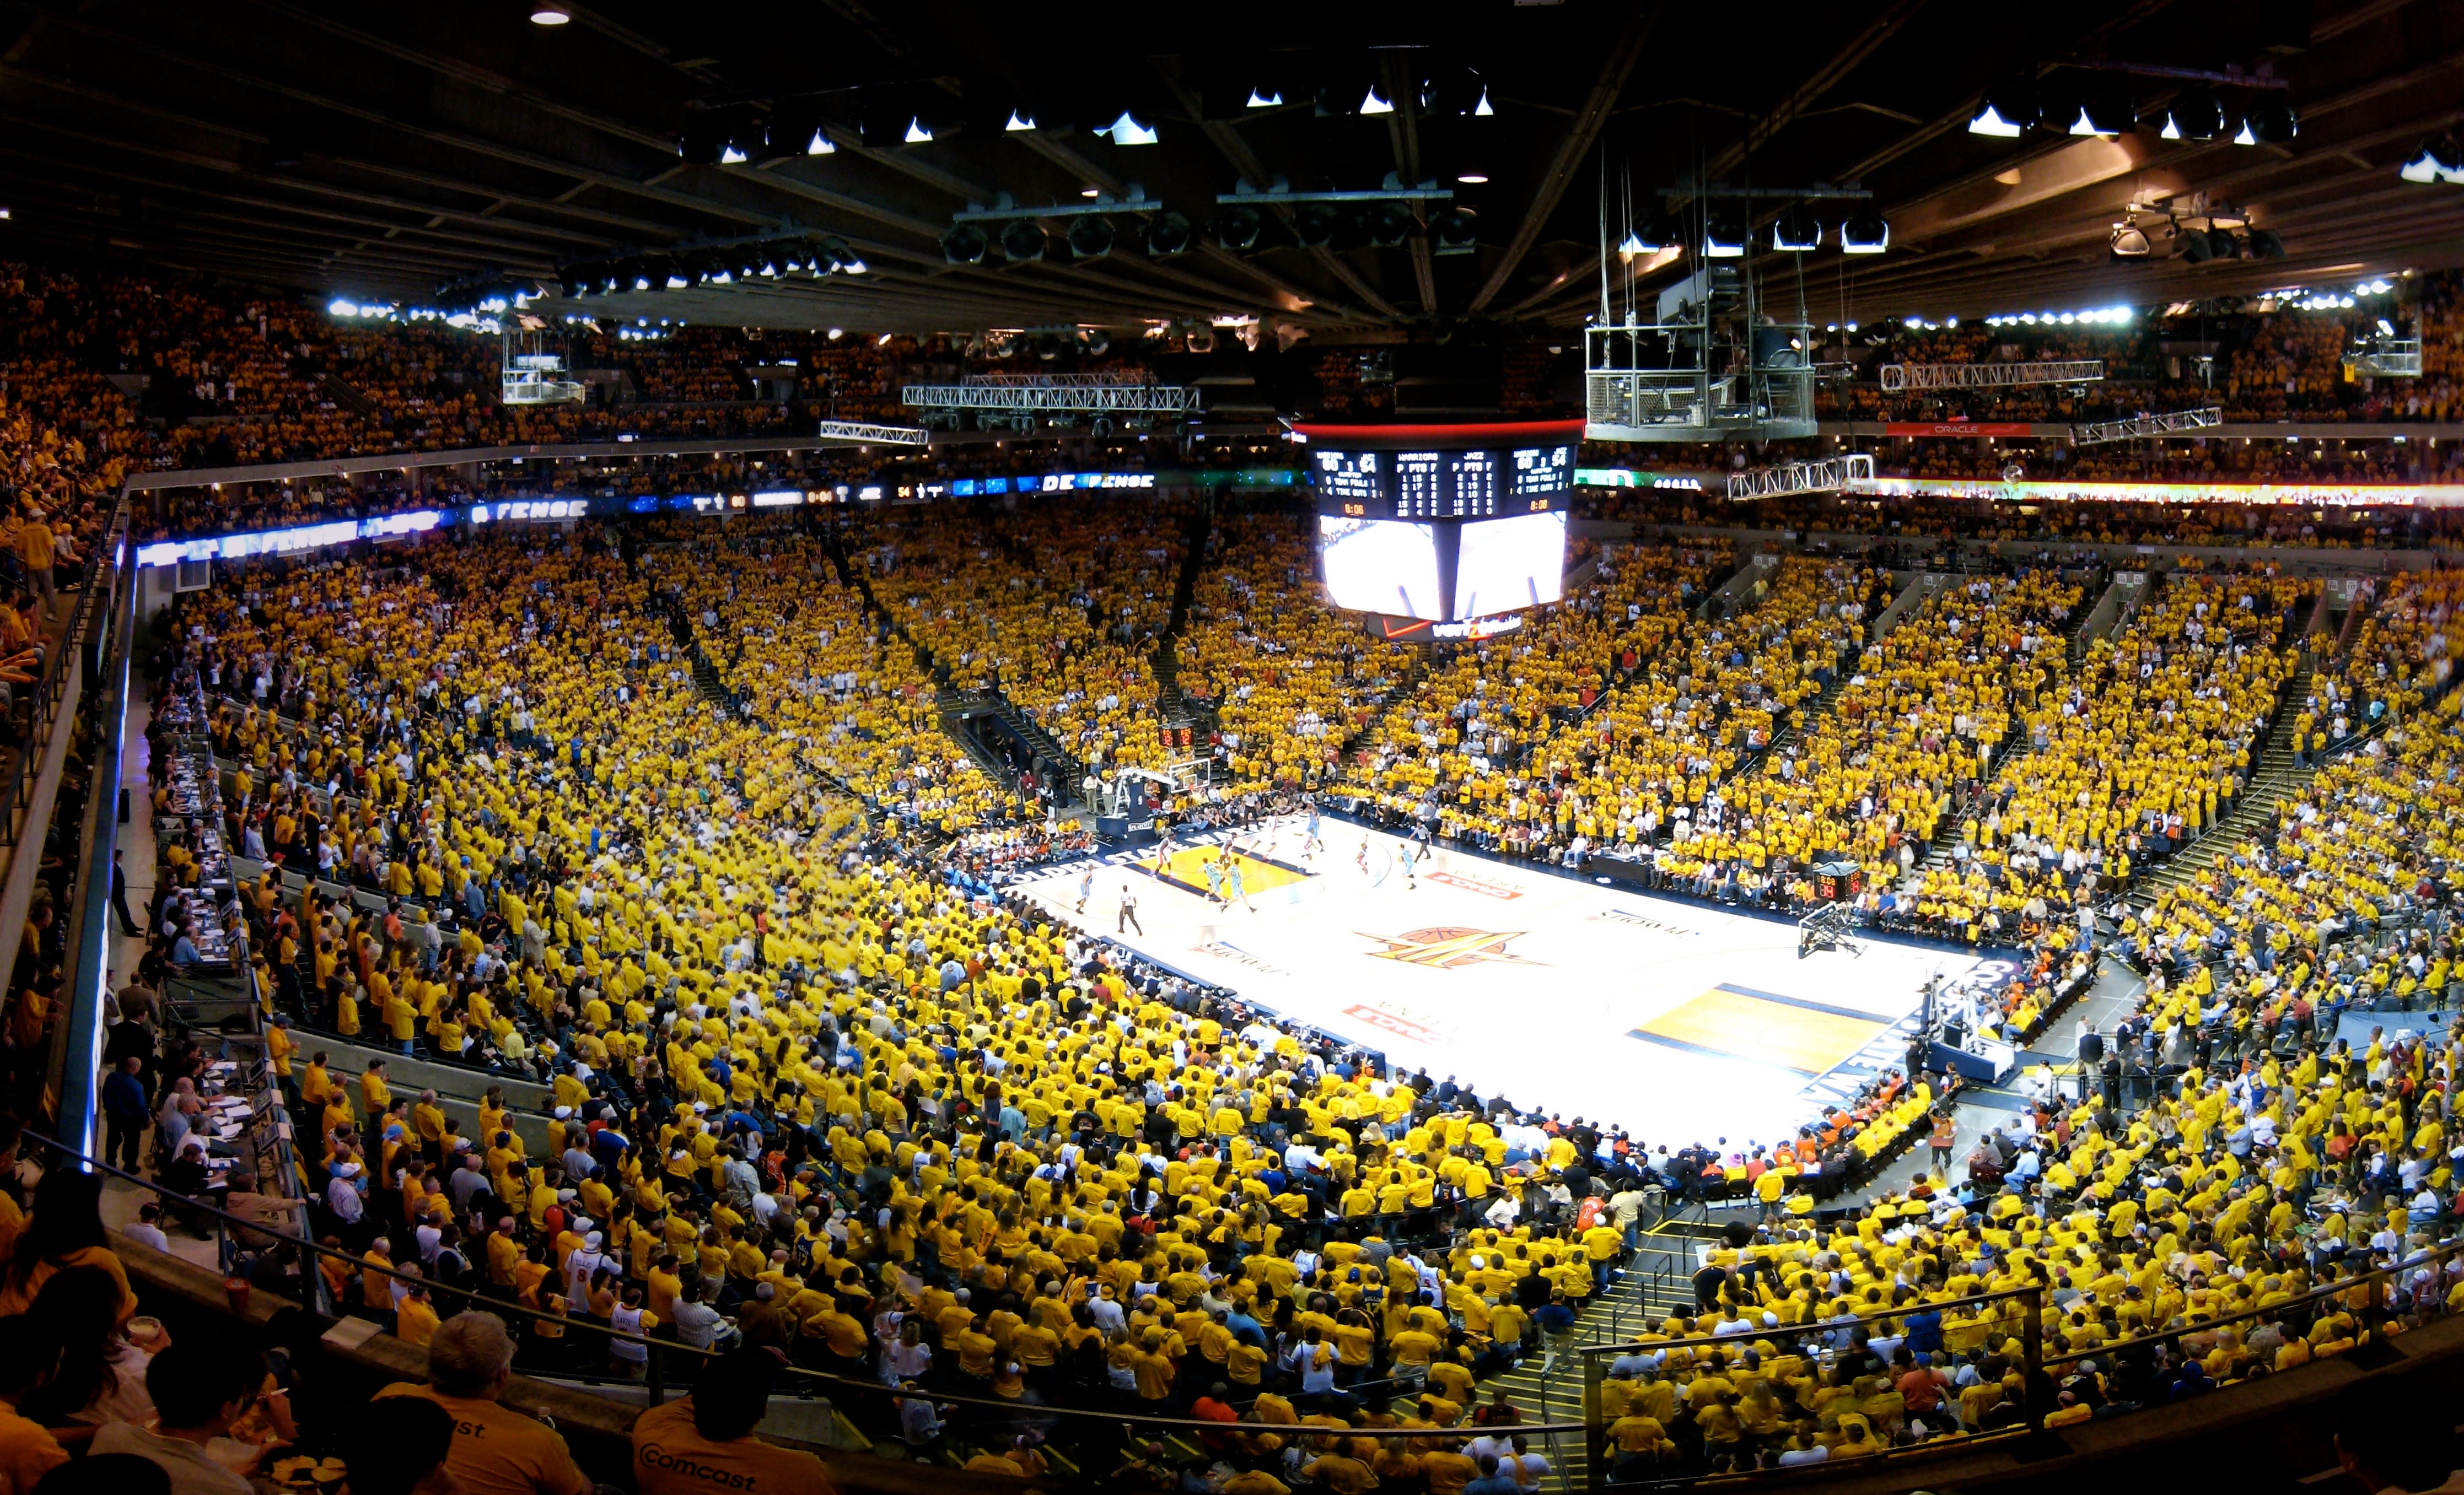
{"x":184,"y":950}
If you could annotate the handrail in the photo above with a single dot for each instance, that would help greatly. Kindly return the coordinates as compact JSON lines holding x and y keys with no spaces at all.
{"x":1823,"y":1327}
{"x":44,"y":698}
{"x":504,"y":1308}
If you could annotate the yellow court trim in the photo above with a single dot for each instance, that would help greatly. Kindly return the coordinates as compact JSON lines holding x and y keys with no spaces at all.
{"x":1187,"y":867}
{"x":1731,"y":1022}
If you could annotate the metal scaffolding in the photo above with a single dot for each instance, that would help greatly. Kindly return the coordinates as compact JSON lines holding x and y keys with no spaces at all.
{"x":1825,"y":475}
{"x":882,"y":436}
{"x":2139,"y":426}
{"x":2386,"y":358}
{"x":1897,"y":377}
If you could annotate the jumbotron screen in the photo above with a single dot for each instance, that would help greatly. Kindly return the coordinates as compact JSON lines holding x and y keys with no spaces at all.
{"x":1444,"y":525}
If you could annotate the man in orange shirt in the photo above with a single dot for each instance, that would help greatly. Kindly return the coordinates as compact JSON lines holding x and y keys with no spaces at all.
{"x":705,"y":1440}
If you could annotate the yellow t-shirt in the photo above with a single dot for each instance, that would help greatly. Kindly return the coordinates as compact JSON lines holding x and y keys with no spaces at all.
{"x":671,"y":1458}
{"x":498,"y":1451}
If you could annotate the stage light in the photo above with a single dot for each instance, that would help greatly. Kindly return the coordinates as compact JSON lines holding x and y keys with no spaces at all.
{"x":677,"y":282}
{"x":2009,"y":108}
{"x":1376,"y":103}
{"x":1473,"y":173}
{"x":1130,"y":130}
{"x":1315,"y":222}
{"x":2245,"y":137}
{"x":1456,"y":232}
{"x":1387,"y":225}
{"x":730,"y":155}
{"x":2224,"y":244}
{"x":853,"y":267}
{"x":2266,"y":244}
{"x":965,"y":244}
{"x":1632,"y":245}
{"x":820,"y":145}
{"x":1019,"y":120}
{"x":1024,"y":241}
{"x":918,"y":132}
{"x":2196,"y":116}
{"x":1865,"y":233}
{"x":2435,"y":161}
{"x":1722,"y":239}
{"x":1237,"y":229}
{"x":1168,"y":233}
{"x":2272,"y":122}
{"x":549,"y":15}
{"x":2195,"y":247}
{"x":2129,"y":241}
{"x":1264,"y":95}
{"x":1091,"y":237}
{"x":2110,"y":112}
{"x":1796,"y":232}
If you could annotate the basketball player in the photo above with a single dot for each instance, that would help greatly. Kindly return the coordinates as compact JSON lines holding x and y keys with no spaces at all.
{"x":1410,"y":854}
{"x":1310,"y":844}
{"x":1362,"y":859}
{"x":1214,"y":880}
{"x":1235,"y":886}
{"x":1085,"y":886}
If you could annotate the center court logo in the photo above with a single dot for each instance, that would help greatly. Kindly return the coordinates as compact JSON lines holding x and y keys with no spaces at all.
{"x":1448,"y":947}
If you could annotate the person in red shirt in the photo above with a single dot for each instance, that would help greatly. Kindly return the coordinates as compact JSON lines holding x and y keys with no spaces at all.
{"x":1216,"y":1406}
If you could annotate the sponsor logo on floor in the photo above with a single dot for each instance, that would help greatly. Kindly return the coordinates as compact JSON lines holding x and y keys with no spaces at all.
{"x":1485,"y":887}
{"x":1448,"y":947}
{"x":1376,"y":1015}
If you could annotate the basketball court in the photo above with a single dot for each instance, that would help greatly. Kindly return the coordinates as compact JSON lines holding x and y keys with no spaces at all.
{"x":1680,"y":1021}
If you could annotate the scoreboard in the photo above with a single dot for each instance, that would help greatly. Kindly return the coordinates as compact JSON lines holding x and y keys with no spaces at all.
{"x":1442,"y":523}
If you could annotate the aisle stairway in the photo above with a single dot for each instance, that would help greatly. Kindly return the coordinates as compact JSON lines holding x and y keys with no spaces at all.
{"x":2273,"y":778}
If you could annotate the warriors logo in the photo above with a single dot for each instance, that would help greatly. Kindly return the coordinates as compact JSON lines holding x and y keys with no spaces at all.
{"x":1448,"y":948}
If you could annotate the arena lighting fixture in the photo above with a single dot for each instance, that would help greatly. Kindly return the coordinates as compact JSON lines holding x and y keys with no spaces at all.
{"x":1456,"y":232}
{"x":1168,"y":233}
{"x":2010,"y":109}
{"x":731,"y":154}
{"x":1089,"y":237}
{"x":1237,"y":229}
{"x":820,"y":145}
{"x":1264,"y":95}
{"x":1865,"y":233}
{"x":1019,"y":119}
{"x":2245,"y":138}
{"x":1130,"y":130}
{"x":2197,"y":115}
{"x":2109,"y":112}
{"x":1796,"y":232}
{"x":2129,"y":241}
{"x":965,"y":244}
{"x":1376,"y":103}
{"x":2272,"y":122}
{"x":2195,"y":248}
{"x":1315,"y":222}
{"x":1632,"y":245}
{"x":2265,"y":243}
{"x":2435,"y":161}
{"x":2224,"y":244}
{"x":1024,"y":241}
{"x":1473,"y":173}
{"x":918,"y":133}
{"x":1720,"y":240}
{"x":1387,"y":225}
{"x":549,"y":14}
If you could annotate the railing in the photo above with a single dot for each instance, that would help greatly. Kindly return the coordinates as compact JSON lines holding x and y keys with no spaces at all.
{"x":96,"y":590}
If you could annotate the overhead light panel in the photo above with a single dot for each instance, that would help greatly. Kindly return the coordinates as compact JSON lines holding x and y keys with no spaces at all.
{"x":1168,"y":233}
{"x":2272,"y":122}
{"x":1091,"y":237}
{"x":1130,"y":130}
{"x":1796,"y":232}
{"x":1865,"y":233}
{"x":2009,"y":108}
{"x":1387,"y":224}
{"x":2433,"y":161}
{"x":550,"y":16}
{"x":1237,"y":229}
{"x":965,"y":244}
{"x":1024,"y":241}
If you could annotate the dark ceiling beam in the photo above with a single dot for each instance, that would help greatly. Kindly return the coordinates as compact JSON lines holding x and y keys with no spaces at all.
{"x":1573,"y":147}
{"x":469,"y":74}
{"x":1403,"y":135}
{"x":451,"y":140}
{"x":1236,"y":151}
{"x":1833,"y":70}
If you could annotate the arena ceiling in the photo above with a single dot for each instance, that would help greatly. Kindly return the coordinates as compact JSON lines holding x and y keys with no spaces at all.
{"x":386,"y":153}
